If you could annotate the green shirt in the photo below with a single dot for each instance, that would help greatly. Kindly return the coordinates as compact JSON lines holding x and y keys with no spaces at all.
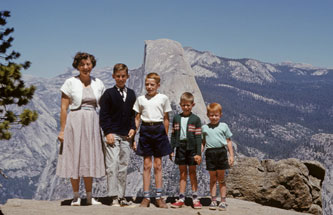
{"x":216,"y":136}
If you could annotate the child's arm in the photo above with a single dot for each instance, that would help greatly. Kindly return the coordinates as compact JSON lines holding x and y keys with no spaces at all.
{"x":137,"y":120}
{"x":172,"y":140}
{"x":137,"y":124}
{"x":133,"y":128}
{"x":203,"y":144}
{"x":198,"y":158}
{"x":231,"y":152}
{"x":166,"y":122}
{"x":105,"y":117}
{"x":198,"y":141}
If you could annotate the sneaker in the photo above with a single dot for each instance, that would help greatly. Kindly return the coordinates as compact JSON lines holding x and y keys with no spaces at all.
{"x":213,"y":205}
{"x":197,"y":204}
{"x":161,"y":203}
{"x":76,"y":203}
{"x":115,"y":202}
{"x":222,"y":206}
{"x":124,"y":203}
{"x":178,"y":204}
{"x":145,"y":203}
{"x":95,"y":202}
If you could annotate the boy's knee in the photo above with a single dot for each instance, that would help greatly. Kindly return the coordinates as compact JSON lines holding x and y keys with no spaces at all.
{"x":192,"y":173}
{"x":157,"y":168}
{"x":147,"y":167}
{"x":183,"y":175}
{"x":222,"y":181}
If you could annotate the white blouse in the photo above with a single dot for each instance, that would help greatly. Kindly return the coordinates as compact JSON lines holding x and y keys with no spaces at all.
{"x":73,"y":88}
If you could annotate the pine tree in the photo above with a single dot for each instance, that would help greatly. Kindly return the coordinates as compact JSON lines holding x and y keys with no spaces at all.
{"x":12,"y":88}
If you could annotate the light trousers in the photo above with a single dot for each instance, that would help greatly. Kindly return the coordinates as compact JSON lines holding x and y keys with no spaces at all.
{"x":116,"y":160}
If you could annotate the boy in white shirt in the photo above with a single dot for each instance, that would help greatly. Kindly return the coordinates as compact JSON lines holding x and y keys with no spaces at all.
{"x":153,"y":109}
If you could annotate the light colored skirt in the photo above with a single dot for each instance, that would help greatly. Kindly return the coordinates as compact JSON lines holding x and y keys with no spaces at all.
{"x":82,"y":154}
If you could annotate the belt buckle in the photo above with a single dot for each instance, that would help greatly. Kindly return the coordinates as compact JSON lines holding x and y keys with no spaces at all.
{"x":150,"y":123}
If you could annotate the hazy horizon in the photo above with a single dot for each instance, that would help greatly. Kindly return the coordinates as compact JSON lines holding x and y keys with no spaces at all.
{"x":49,"y":33}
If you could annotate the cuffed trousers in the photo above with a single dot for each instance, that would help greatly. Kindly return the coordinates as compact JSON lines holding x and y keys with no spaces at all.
{"x":116,"y":160}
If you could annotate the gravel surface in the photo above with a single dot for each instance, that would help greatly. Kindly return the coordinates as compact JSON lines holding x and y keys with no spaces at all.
{"x":33,"y":207}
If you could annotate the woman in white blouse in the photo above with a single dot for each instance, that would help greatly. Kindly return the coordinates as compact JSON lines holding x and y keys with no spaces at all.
{"x":82,"y":154}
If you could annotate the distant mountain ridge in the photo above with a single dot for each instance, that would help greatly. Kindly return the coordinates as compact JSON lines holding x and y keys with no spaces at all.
{"x":275,"y":111}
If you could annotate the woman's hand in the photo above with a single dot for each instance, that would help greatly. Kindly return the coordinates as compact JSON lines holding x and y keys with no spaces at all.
{"x":61,"y":136}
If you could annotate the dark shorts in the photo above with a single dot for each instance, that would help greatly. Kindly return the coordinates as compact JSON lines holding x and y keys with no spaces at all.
{"x":217,"y":159}
{"x":153,"y":141}
{"x":183,"y":156}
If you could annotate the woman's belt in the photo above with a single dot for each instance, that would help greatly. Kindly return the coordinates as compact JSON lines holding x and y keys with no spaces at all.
{"x":84,"y":108}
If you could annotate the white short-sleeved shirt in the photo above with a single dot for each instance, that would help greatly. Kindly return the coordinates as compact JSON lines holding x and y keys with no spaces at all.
{"x":152,"y":109}
{"x":216,"y":136}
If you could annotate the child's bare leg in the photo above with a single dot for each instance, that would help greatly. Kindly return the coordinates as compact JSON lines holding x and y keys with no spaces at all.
{"x":212,"y":184}
{"x":193,"y":178}
{"x":147,"y":164}
{"x":194,"y":185}
{"x":158,"y":171}
{"x":222,"y":184}
{"x":158,"y":181}
{"x":183,"y":177}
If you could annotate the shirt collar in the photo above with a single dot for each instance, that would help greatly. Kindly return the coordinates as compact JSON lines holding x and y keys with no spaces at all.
{"x":124,"y":89}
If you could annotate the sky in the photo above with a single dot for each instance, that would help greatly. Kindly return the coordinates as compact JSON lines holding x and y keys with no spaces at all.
{"x":49,"y":32}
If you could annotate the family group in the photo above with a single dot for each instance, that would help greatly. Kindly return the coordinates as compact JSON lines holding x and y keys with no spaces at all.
{"x":89,"y":153}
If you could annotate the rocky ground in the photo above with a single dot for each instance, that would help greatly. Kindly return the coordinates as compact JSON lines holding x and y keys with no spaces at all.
{"x":33,"y":207}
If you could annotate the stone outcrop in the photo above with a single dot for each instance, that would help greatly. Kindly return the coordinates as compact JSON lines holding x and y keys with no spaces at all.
{"x":289,"y":184}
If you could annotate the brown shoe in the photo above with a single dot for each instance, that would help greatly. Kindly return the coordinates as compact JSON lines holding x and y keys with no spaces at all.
{"x":145,"y":203}
{"x":161,"y":203}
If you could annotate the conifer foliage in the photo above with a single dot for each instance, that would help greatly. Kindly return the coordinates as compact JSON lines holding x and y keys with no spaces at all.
{"x":13,"y":91}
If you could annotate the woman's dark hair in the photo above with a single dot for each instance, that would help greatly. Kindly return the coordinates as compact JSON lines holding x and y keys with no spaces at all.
{"x":83,"y":55}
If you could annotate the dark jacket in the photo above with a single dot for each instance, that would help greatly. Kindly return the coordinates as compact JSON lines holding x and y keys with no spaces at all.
{"x":193,"y":133}
{"x":117,"y":116}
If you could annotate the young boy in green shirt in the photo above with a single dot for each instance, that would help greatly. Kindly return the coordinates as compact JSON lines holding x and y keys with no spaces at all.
{"x":186,"y":138}
{"x":217,"y":141}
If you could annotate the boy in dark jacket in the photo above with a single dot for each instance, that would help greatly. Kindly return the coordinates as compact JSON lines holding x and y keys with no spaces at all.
{"x":186,"y":138}
{"x":117,"y":119}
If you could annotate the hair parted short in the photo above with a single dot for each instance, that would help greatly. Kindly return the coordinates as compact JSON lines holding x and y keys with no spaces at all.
{"x":120,"y":67}
{"x":214,"y":107}
{"x":83,"y":56}
{"x":187,"y":97}
{"x":155,"y":76}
